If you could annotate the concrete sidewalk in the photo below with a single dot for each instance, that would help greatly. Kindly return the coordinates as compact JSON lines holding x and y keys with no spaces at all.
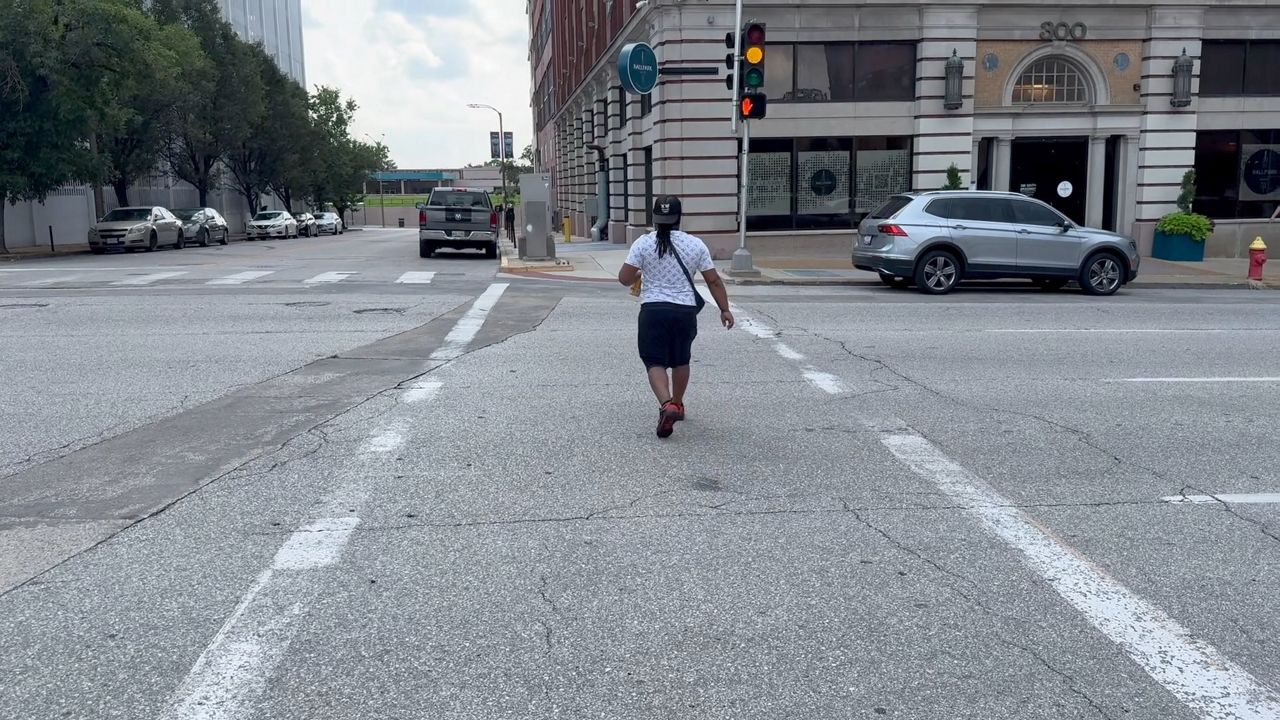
{"x":599,"y":261}
{"x":28,"y":253}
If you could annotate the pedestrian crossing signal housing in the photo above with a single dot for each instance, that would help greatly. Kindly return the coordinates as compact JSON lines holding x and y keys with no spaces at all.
{"x":752,"y":106}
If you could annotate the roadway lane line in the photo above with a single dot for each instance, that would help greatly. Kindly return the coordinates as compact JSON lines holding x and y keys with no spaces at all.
{"x":232,"y":671}
{"x":1151,"y":331}
{"x":826,"y":382}
{"x":455,"y":343}
{"x":1189,"y":668}
{"x":425,"y":390}
{"x":240,"y":278}
{"x":1267,"y":379}
{"x":1225,"y":499}
{"x":148,"y":279}
{"x":51,"y":281}
{"x":1194,"y":671}
{"x":385,"y":441}
{"x":329,"y":277}
{"x":414,"y":277}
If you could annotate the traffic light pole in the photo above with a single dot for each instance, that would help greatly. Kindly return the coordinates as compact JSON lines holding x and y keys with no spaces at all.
{"x":742,"y":263}
{"x":737,"y":54}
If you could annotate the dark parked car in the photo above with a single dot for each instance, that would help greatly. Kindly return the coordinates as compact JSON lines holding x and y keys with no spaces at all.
{"x":307,"y":225}
{"x":203,"y":225}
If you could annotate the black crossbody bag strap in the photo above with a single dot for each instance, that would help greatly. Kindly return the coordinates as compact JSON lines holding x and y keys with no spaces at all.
{"x":697,"y":296}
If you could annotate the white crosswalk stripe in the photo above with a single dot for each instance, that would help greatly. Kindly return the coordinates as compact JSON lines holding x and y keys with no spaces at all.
{"x":148,"y":279}
{"x":416,"y":278}
{"x":329,"y":277}
{"x":240,"y":278}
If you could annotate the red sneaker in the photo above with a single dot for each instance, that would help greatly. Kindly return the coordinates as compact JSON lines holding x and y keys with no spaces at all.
{"x":667,"y":417}
{"x":679,"y":410}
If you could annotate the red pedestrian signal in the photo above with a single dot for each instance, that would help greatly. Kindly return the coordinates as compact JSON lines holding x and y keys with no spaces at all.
{"x":752,"y":106}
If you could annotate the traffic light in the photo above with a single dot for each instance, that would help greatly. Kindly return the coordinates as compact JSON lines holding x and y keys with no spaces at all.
{"x":752,"y":105}
{"x":752,"y":58}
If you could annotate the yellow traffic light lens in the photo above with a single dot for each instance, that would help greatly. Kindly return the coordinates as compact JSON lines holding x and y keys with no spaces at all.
{"x":755,"y":55}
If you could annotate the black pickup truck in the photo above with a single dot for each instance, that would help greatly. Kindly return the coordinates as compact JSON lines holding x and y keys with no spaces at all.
{"x":459,"y":219}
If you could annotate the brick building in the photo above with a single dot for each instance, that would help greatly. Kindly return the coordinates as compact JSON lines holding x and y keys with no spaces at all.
{"x":1071,"y":105}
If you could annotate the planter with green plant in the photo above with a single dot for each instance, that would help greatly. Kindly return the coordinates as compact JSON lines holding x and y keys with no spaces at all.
{"x":954,"y":181}
{"x":1181,"y":235}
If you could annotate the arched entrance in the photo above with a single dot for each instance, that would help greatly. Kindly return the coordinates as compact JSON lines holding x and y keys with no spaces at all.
{"x":1053,"y":168}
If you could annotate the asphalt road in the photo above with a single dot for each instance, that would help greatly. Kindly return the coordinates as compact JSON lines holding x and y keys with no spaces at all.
{"x":444,"y":499}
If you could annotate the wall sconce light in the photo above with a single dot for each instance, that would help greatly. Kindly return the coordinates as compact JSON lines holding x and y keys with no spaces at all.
{"x":954,"y":95}
{"x":1182,"y":69}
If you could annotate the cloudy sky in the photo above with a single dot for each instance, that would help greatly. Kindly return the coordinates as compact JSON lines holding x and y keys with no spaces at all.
{"x":414,"y":65}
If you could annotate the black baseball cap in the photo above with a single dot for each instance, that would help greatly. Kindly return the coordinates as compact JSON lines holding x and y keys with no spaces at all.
{"x":666,"y":210}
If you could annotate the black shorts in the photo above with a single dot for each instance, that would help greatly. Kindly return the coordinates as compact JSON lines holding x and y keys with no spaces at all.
{"x":666,"y":334}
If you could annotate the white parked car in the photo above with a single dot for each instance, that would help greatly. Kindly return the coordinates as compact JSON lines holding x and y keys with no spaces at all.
{"x":131,"y":228}
{"x":272,"y":223}
{"x":327,"y":222}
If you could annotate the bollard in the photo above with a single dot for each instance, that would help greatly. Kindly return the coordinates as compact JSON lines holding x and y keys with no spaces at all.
{"x":1257,"y":258}
{"x":568,"y":230}
{"x":51,"y":247}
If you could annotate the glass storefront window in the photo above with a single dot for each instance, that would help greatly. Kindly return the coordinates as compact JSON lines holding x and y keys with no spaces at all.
{"x":1237,"y":173}
{"x":815,"y":183}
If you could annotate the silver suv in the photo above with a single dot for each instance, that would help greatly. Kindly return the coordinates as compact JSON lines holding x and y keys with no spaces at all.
{"x":933,"y":240}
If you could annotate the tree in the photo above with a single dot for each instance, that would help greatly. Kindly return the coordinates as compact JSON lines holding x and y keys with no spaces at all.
{"x":954,"y":182}
{"x":344,"y":163}
{"x":45,"y":121}
{"x":1187,"y":195}
{"x":223,"y":103}
{"x":514,"y":169}
{"x":139,"y":108}
{"x":267,"y":152}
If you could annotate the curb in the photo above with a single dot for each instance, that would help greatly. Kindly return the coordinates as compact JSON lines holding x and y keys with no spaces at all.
{"x":860,"y":283}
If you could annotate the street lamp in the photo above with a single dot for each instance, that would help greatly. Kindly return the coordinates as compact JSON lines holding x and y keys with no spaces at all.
{"x":502,"y":146}
{"x":382,"y":197}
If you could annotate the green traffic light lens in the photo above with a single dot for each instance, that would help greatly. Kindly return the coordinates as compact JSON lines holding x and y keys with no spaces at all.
{"x":754,"y":78}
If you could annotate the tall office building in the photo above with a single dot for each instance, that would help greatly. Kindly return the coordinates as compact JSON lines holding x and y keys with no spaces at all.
{"x":277,"y":24}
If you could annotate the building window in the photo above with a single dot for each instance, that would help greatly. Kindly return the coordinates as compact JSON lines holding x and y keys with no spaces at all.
{"x":1239,"y":67}
{"x":622,"y":108}
{"x":823,"y":183}
{"x":1051,"y":80}
{"x":824,"y":73}
{"x":646,"y":104}
{"x":841,"y":72}
{"x":885,"y":72}
{"x":1237,"y":173}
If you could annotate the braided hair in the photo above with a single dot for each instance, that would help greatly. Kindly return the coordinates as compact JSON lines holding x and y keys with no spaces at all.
{"x":664,"y":238}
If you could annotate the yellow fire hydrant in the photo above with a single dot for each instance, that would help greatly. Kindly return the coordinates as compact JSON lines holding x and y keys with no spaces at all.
{"x":568,"y":230}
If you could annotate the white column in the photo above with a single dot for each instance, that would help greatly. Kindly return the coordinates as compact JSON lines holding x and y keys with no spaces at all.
{"x":1002,"y":162}
{"x":1096,"y":181}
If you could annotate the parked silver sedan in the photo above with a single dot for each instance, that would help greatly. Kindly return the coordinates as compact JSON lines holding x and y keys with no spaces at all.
{"x":934,"y":240}
{"x":135,"y":228}
{"x":327,"y":222}
{"x":203,"y":226}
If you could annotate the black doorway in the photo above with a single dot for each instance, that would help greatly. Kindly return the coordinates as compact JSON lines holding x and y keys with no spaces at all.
{"x":1049,"y":168}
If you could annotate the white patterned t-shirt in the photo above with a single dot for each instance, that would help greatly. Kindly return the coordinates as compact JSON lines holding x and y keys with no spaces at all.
{"x":662,"y":280}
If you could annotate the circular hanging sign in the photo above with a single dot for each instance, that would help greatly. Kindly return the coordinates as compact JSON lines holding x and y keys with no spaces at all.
{"x":823,"y":182}
{"x":1262,"y":172}
{"x":1065,"y":188}
{"x":638,"y":68}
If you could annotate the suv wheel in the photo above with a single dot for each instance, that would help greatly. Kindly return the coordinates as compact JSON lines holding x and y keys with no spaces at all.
{"x":491,"y":252}
{"x":425,"y":250}
{"x":1102,"y":274}
{"x":894,"y":281}
{"x":937,"y":272}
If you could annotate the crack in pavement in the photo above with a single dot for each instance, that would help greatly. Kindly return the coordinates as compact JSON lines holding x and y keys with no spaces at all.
{"x":1072,"y":684}
{"x":1227,"y":508}
{"x":548,"y":632}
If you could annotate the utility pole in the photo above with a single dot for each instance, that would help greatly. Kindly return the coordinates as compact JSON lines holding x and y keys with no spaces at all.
{"x":502,"y":147}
